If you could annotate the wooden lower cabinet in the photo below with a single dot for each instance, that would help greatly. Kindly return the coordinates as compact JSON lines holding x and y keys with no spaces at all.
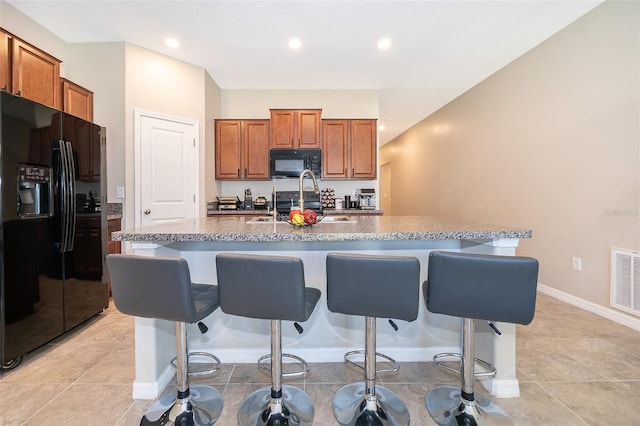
{"x":87,"y":247}
{"x":349,"y":149}
{"x":114,"y":246}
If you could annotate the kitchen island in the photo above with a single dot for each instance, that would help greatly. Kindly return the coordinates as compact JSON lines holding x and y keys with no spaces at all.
{"x":327,"y":336}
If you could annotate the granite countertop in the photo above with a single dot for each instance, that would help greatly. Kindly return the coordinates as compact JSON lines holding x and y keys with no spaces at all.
{"x":258,"y":212}
{"x":367,"y":228}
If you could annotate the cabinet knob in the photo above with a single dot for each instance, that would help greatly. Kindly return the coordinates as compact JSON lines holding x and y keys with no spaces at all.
{"x":147,"y":211}
{"x":19,"y":93}
{"x":4,"y":89}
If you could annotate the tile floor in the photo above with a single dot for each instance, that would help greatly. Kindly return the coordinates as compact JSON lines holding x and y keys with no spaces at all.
{"x":574,"y":367}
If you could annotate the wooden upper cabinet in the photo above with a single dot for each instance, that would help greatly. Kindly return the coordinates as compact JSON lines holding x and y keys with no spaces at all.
{"x":364,"y":148}
{"x":35,"y":74}
{"x":76,"y":100}
{"x":349,"y":149}
{"x":255,"y":149}
{"x":242,"y":149}
{"x":5,"y":61}
{"x":295,"y":128}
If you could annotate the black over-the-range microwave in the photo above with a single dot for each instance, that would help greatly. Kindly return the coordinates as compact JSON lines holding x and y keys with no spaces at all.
{"x":286,"y":163}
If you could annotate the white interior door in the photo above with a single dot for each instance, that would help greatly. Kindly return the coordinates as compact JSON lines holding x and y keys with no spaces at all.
{"x":167,"y":183}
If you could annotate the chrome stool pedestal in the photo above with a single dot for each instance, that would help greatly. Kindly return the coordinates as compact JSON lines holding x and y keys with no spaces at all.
{"x":266,"y":406}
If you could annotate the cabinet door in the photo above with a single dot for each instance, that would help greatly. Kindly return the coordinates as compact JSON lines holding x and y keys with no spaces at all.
{"x":334,"y":149}
{"x":228,"y":149}
{"x":77,"y":100}
{"x":82,"y":146}
{"x":5,"y":61}
{"x":308,"y":129}
{"x":283,"y":125}
{"x":36,"y":75}
{"x":363,"y":147}
{"x":256,"y":149}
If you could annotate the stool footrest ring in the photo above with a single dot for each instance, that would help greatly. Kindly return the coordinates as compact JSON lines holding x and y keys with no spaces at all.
{"x":395,"y":365}
{"x":195,"y":373}
{"x":489,"y":369}
{"x":266,"y":366}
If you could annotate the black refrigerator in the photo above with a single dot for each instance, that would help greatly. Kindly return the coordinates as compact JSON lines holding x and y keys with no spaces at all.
{"x":53,"y":232}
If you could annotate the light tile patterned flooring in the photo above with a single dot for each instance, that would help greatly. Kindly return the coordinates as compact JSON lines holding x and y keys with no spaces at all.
{"x":574,"y":367}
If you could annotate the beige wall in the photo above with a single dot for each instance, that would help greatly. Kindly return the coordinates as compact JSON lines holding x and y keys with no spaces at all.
{"x":551,"y":142}
{"x":159,"y":84}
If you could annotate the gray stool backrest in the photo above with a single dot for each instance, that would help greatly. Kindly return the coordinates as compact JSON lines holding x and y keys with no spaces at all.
{"x":260,"y":286}
{"x":155,"y":287}
{"x":373,"y":285}
{"x":489,"y":287}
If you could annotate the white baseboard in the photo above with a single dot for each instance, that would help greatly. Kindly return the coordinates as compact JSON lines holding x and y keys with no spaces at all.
{"x":143,"y":390}
{"x":608,"y":313}
{"x":503,"y":388}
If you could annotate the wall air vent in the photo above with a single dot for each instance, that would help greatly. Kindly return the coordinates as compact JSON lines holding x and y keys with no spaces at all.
{"x":625,"y":281}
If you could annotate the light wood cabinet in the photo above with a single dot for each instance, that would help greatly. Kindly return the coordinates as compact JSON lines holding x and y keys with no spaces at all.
{"x":113,"y":225}
{"x":5,"y":61}
{"x":76,"y":100}
{"x":349,"y":149}
{"x":242,"y":149}
{"x":35,"y":74}
{"x":295,"y":128}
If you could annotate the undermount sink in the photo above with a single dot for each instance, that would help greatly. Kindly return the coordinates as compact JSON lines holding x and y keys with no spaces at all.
{"x":325,"y":219}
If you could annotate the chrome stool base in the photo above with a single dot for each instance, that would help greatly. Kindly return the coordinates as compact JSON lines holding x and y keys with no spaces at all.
{"x":447,"y":407}
{"x":293,"y":408}
{"x":351,"y":407}
{"x":266,"y":366}
{"x":395,"y":366}
{"x":202,"y":407}
{"x":194,"y":372}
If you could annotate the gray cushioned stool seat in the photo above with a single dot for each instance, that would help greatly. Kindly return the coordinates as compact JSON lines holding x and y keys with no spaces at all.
{"x":154,"y":287}
{"x":476,"y":286}
{"x":272,"y":288}
{"x":372,"y":286}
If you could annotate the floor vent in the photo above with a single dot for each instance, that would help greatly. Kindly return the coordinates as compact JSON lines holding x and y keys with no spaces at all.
{"x":625,"y":280}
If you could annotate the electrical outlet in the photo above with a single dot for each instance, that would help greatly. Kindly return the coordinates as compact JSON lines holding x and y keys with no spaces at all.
{"x":120,"y":192}
{"x":576,"y":263}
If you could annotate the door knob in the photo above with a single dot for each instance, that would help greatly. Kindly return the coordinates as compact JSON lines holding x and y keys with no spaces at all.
{"x":147,"y":211}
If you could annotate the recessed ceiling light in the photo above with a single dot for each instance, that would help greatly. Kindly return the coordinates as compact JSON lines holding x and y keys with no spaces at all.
{"x":172,"y":43}
{"x":295,"y":43}
{"x":384,"y":43}
{"x":381,"y":127}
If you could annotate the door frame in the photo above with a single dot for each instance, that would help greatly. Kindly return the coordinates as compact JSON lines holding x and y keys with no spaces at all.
{"x":138,"y":115}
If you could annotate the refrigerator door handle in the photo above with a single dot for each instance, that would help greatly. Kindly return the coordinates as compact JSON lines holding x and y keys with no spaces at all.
{"x":67,"y":187}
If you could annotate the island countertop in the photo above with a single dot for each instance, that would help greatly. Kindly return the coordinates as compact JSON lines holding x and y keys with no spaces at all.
{"x":365,"y":228}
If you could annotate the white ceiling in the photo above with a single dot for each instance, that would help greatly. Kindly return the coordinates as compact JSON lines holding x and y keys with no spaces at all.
{"x":440,"y":48}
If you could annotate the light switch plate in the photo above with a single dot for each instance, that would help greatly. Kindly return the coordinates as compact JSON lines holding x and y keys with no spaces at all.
{"x":120,"y":192}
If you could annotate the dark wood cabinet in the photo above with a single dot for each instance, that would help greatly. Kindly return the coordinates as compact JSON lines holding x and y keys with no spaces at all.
{"x":349,"y":149}
{"x":35,"y":74}
{"x":87,"y":247}
{"x":242,"y":149}
{"x":76,"y":100}
{"x":295,"y":128}
{"x":85,"y":139}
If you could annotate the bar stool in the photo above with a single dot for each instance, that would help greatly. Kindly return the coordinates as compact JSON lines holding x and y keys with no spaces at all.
{"x":154,"y":287}
{"x":475,"y":286}
{"x":278,"y":294}
{"x":372,"y":286}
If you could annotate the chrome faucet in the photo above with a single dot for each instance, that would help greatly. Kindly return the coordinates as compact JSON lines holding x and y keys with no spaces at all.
{"x":301,"y":192}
